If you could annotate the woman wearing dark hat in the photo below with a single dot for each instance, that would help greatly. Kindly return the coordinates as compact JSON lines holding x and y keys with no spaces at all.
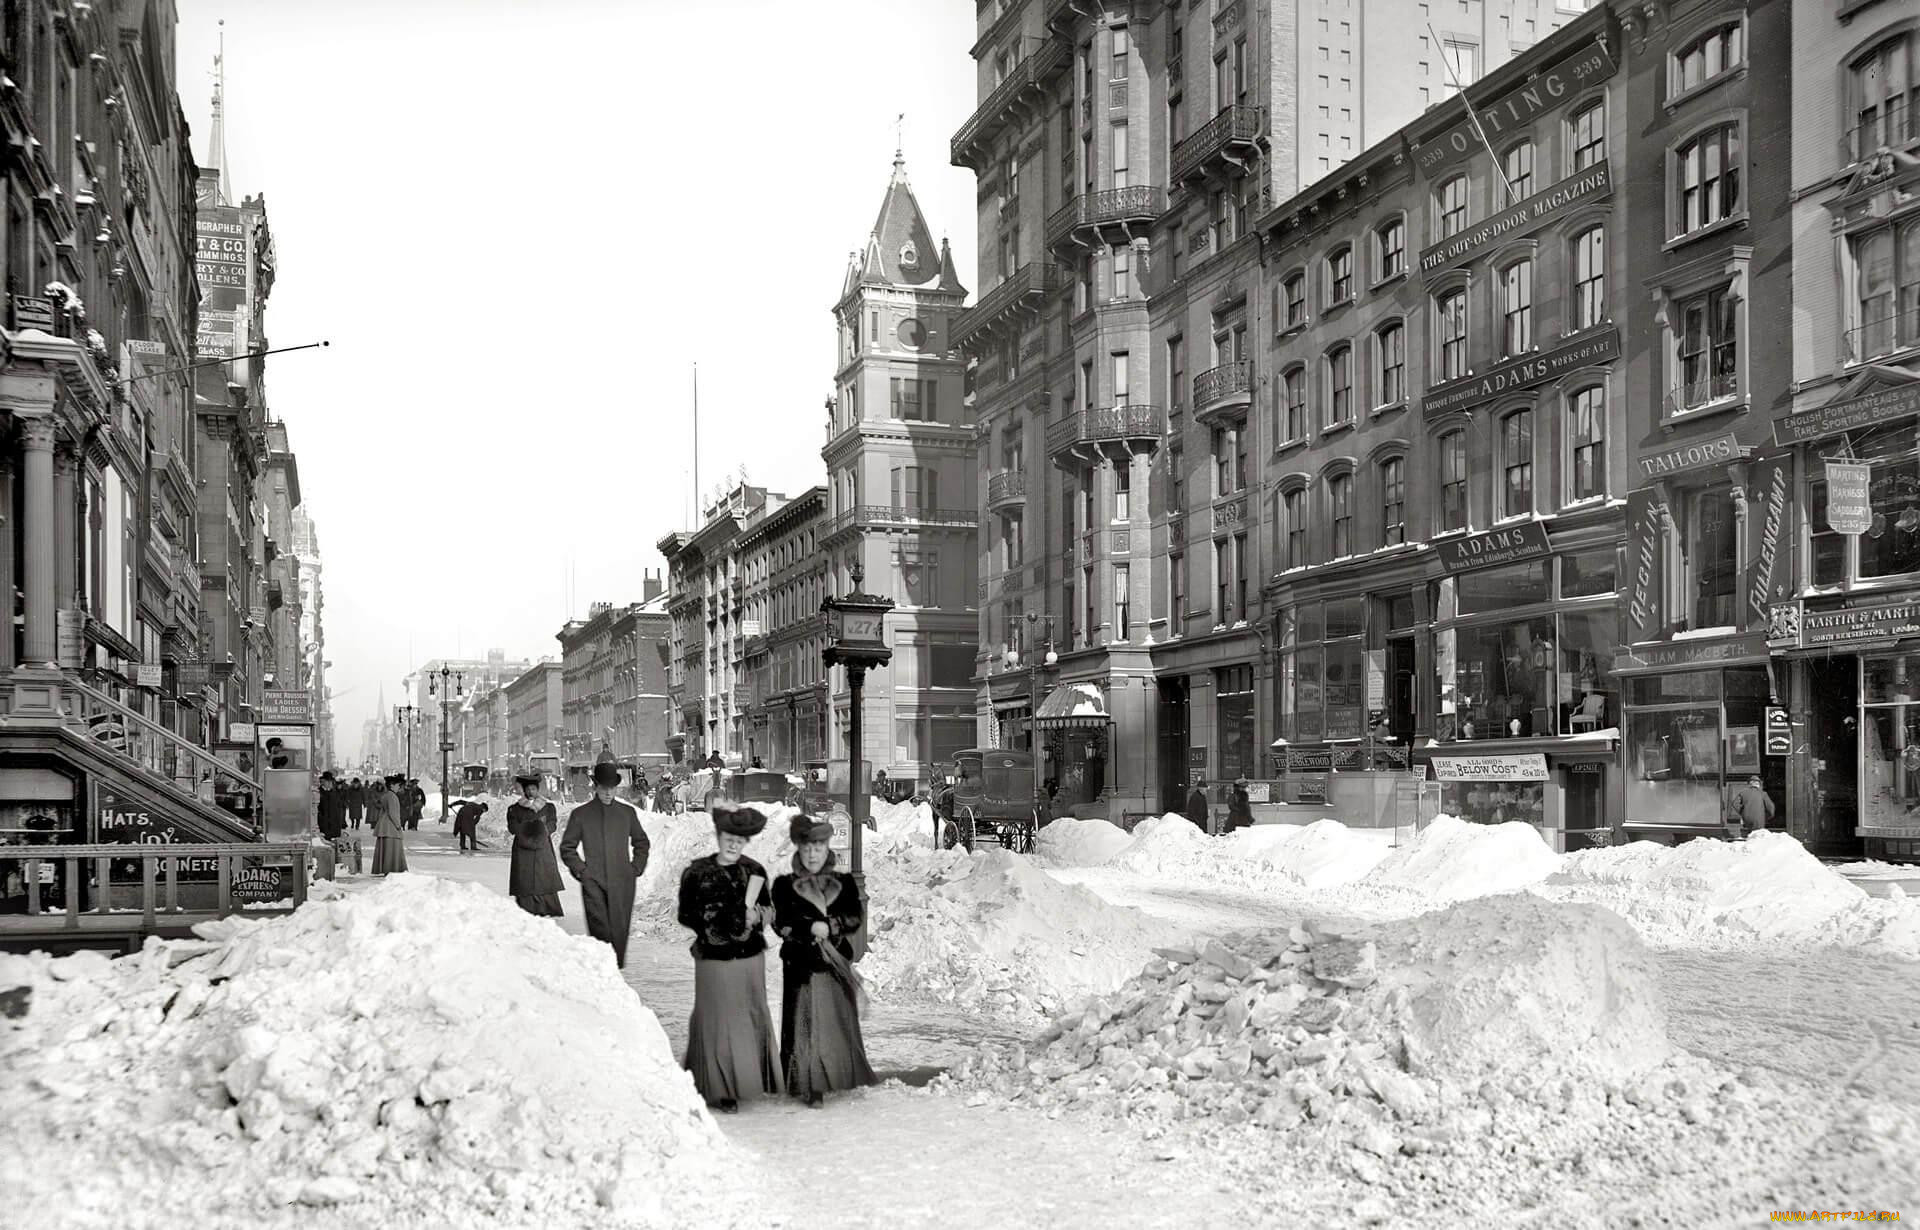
{"x":724,"y":902}
{"x":816,"y":909}
{"x":533,"y":878}
{"x":389,"y":841}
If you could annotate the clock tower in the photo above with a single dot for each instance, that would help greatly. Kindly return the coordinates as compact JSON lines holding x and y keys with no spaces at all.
{"x":900,"y":490}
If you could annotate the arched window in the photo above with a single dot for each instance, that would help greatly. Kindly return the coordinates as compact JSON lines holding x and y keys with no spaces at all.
{"x":1294,"y":291}
{"x":1450,"y":332}
{"x":1296,"y":515}
{"x":1390,"y":248}
{"x":1587,"y":135}
{"x":1516,"y":463}
{"x":1587,"y":444}
{"x":1450,"y":206}
{"x":1393,"y":501}
{"x":1340,"y":510}
{"x":1589,"y":261}
{"x":1705,"y":57}
{"x":1339,"y":275}
{"x":1887,"y":291}
{"x":1516,"y":311}
{"x":1293,"y":411}
{"x":1339,"y":375}
{"x":1453,"y":480}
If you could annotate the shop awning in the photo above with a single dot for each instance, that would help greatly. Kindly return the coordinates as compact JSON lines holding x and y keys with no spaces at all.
{"x":1074,"y":704}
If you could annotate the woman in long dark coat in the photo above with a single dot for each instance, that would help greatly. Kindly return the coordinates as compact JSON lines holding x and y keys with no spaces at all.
{"x":816,"y":910}
{"x":389,"y":839}
{"x":730,"y":1049}
{"x":533,"y":878}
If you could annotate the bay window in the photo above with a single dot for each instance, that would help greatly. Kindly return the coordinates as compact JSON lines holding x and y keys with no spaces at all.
{"x":1885,"y":87}
{"x":1886,"y":270}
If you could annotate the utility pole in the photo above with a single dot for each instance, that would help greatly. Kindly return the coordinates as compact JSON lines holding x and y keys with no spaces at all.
{"x":447,"y":686}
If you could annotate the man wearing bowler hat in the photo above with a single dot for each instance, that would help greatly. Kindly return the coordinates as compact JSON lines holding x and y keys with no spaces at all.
{"x":615,"y":856}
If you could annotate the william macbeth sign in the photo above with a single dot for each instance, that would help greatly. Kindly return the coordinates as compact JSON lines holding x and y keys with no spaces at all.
{"x":1583,"y":351}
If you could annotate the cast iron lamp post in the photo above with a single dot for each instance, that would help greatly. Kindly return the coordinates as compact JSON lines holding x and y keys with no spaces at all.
{"x":451,"y":685}
{"x":403,"y":717}
{"x":857,"y":640}
{"x":1049,"y":660}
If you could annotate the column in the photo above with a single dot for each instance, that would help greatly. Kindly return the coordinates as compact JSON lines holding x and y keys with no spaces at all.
{"x":6,"y":561}
{"x":36,"y":466}
{"x":66,"y":544}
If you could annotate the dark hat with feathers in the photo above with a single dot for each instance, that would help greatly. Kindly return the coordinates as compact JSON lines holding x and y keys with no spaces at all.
{"x":740,"y":821}
{"x":805,"y":828}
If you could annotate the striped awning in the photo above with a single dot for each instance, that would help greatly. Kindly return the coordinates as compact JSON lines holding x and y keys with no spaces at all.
{"x":1074,"y":704}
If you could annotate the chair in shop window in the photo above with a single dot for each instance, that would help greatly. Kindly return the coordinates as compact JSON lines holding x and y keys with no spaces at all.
{"x":1590,"y":713}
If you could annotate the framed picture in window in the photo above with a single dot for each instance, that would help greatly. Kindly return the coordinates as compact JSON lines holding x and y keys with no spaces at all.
{"x":1743,"y":750}
{"x":1703,"y":752}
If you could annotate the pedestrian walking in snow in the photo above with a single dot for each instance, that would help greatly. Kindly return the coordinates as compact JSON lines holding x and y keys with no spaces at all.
{"x":615,"y":855}
{"x":416,"y":803}
{"x":1239,"y":807}
{"x":466,"y":824}
{"x":1197,"y":805}
{"x":1750,"y":810}
{"x":389,"y":837}
{"x":330,"y":811}
{"x":533,"y":878}
{"x":356,"y":794}
{"x":724,"y":901}
{"x":816,"y":909}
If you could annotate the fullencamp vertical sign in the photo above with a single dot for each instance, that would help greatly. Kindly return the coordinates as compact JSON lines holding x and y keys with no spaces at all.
{"x":1769,"y":563}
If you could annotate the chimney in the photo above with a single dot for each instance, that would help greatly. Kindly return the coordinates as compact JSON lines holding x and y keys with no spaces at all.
{"x":650,"y":588}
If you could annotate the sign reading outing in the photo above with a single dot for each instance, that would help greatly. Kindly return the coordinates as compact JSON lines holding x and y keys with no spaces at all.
{"x":1517,"y":109}
{"x":1849,"y":502}
{"x":1594,"y":346}
{"x":1508,"y":545}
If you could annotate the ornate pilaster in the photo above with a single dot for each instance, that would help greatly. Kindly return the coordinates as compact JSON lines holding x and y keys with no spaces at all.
{"x":66,"y":546}
{"x":36,"y":458}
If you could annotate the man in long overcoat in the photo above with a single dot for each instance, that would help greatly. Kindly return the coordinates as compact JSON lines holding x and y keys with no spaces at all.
{"x":330,"y":814}
{"x":615,"y":856}
{"x":356,"y":799}
{"x":1197,"y":809}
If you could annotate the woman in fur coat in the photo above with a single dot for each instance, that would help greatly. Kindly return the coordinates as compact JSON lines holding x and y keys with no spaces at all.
{"x":816,"y":910}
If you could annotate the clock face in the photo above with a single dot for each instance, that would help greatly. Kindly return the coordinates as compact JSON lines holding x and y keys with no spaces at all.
{"x":913,"y":334}
{"x":859,"y":628}
{"x":909,"y":256}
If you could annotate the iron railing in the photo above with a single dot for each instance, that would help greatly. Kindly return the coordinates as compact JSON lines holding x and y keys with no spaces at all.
{"x":1130,"y":422}
{"x":1006,"y":487}
{"x":1217,"y":385}
{"x":1136,"y":203}
{"x":156,"y":752}
{"x":1235,"y":125}
{"x":886,"y":515}
{"x":1031,"y":73}
{"x":1033,"y":278}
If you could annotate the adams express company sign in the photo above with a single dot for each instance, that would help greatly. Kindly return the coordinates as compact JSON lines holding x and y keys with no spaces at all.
{"x":1593,"y":346}
{"x":1517,"y":108}
{"x":1528,"y":216}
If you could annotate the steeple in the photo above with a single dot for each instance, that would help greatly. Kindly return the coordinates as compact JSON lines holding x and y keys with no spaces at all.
{"x":900,"y":250}
{"x":215,"y":166}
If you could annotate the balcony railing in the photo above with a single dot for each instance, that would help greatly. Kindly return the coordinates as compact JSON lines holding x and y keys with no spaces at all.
{"x":1878,"y":338}
{"x":1030,"y":77}
{"x":1129,"y":210}
{"x":1224,"y":387}
{"x":1894,"y":127}
{"x":1007,"y":488}
{"x":1019,"y":295}
{"x":1106,"y":425}
{"x":886,"y":516}
{"x":1228,"y":136}
{"x":1706,"y":390}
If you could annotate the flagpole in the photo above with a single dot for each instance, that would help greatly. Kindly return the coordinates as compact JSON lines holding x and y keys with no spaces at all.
{"x":1472,"y":115}
{"x":696,"y":447}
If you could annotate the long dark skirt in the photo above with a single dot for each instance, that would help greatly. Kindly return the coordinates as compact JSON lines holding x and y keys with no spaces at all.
{"x":730,"y":1049}
{"x":389,"y":854}
{"x":546,"y":905}
{"x":821,"y":1049}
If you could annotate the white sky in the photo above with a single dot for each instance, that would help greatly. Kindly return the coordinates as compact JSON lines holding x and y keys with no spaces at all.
{"x":519,"y":224}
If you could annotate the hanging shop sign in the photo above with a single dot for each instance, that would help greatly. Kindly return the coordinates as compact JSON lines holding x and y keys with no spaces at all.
{"x":1779,"y":732}
{"x":1701,"y":453}
{"x":1538,"y":210}
{"x":190,"y":676}
{"x":1769,"y":564}
{"x":1600,"y":345}
{"x":1646,"y":559}
{"x":1508,"y":545}
{"x":1514,"y":767}
{"x":33,"y":312}
{"x":70,"y":637}
{"x":240,"y":732}
{"x":1517,"y":109}
{"x":1849,"y":497}
{"x":1849,"y":414}
{"x":1886,"y":621}
{"x":147,"y":675}
{"x":286,"y":705}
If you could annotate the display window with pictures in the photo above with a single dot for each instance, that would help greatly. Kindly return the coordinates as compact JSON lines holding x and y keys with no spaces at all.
{"x":1693,"y":738}
{"x":1496,"y":802}
{"x":1890,"y":742}
{"x":1891,"y":545}
{"x":1525,"y":651}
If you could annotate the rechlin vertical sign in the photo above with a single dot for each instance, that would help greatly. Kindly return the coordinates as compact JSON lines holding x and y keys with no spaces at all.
{"x":1646,"y":560}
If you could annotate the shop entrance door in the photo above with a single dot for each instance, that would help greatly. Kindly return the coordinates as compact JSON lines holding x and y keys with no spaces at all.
{"x":1583,"y":813}
{"x":1400,"y":689}
{"x":1833,"y":686}
{"x":1174,"y":732}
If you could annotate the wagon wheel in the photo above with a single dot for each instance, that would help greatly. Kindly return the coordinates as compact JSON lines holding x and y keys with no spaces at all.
{"x":1032,"y":832}
{"x":960,"y":829}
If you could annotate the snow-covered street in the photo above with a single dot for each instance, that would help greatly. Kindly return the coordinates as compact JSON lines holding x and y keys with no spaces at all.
{"x":1704,"y":1035}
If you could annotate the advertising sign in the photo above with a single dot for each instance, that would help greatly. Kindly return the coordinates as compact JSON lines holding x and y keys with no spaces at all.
{"x":1514,"y":767}
{"x":1508,"y":545}
{"x":285,"y":747}
{"x":1849,"y":501}
{"x":286,"y":705}
{"x":1197,"y":757}
{"x":33,"y":312}
{"x":147,"y":675}
{"x":1848,"y":414}
{"x":1517,"y":109}
{"x":223,"y":247}
{"x":1887,"y":621}
{"x":1528,"y":216}
{"x":241,"y":732}
{"x":256,"y":885}
{"x":1769,"y":564}
{"x":1701,"y":453}
{"x":1646,"y":559}
{"x":1748,"y":646}
{"x":124,"y":821}
{"x":1779,"y":732}
{"x":70,"y":637}
{"x":190,"y":675}
{"x":1594,"y":346}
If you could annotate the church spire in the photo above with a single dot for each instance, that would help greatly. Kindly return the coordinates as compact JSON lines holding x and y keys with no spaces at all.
{"x":217,"y":138}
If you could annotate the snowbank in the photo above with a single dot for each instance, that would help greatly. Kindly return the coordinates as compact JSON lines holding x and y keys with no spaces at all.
{"x":350,"y":1057}
{"x":1324,"y":854}
{"x":1067,"y":842}
{"x":1165,"y":843}
{"x":1452,"y":860}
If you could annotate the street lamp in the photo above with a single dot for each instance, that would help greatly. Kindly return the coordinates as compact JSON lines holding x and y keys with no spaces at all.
{"x":857,"y":640}
{"x":1050,"y":660}
{"x":403,"y":717}
{"x":451,"y":685}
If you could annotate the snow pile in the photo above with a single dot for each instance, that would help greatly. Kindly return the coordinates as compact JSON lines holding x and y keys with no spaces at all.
{"x":1324,"y":854}
{"x":900,"y":825}
{"x":1067,"y":842}
{"x":349,"y":1055}
{"x":1165,"y":843}
{"x":1452,"y":860}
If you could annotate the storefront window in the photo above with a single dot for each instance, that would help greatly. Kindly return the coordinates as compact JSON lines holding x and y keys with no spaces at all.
{"x":1502,"y":685}
{"x":1716,"y":565}
{"x":1589,"y":697}
{"x":1693,"y":739}
{"x":1496,"y":802}
{"x":1498,"y":589}
{"x":1311,"y":718}
{"x":1233,"y":696}
{"x":1345,"y":689}
{"x":1584,"y":574}
{"x":1891,"y":545}
{"x":1285,"y":699}
{"x":1345,"y":617}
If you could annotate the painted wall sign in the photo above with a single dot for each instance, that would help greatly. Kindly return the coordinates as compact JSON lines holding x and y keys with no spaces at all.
{"x":1528,"y":216}
{"x":1646,"y":561}
{"x":1779,"y":732}
{"x":123,"y":820}
{"x":1701,"y":453}
{"x":1594,"y":346}
{"x":1515,"y":767}
{"x":1769,"y":564}
{"x":257,"y":885}
{"x":190,"y":675}
{"x":1511,"y":544}
{"x":1886,"y":621}
{"x":1849,"y":413}
{"x":1747,"y":646}
{"x":1517,"y":108}
{"x":1849,"y":499}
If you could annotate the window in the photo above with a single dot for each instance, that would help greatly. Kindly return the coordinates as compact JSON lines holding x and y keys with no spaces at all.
{"x":1587,"y":437}
{"x":1340,"y":510}
{"x":1452,"y":326}
{"x":1887,"y":291}
{"x":1177,"y":593}
{"x":1714,"y":568}
{"x":1709,"y":348}
{"x":1086,"y":501}
{"x":1340,"y":276}
{"x":1450,"y":205}
{"x":1123,"y":272}
{"x":1892,"y":547}
{"x":1460,"y":67}
{"x":1516,"y":313}
{"x":1296,"y":513}
{"x":1589,"y":277}
{"x":1705,"y":58}
{"x":1122,"y":490}
{"x":1240,"y":457}
{"x":1390,"y":364}
{"x":1516,"y":459}
{"x":1177,"y":374}
{"x":1587,"y":136}
{"x":1176,"y":117}
{"x":1886,"y":96}
{"x":1517,"y":165}
{"x":1092,"y":608}
{"x":1121,"y":46}
{"x":1222,"y":463}
{"x":1706,"y":171}
{"x":1122,"y":603}
{"x":1390,"y":249}
{"x":1176,"y":479}
{"x":1122,"y":389}
{"x":1118,"y":162}
{"x":1453,"y":481}
{"x":1240,"y":576}
{"x":914,"y":489}
{"x":1222,"y":613}
{"x":1218,"y":224}
{"x":1393,"y":502}
{"x":1294,"y":288}
{"x":1339,"y":404}
{"x":1293,"y":392}
{"x":1234,"y":722}
{"x":1013,"y":551}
